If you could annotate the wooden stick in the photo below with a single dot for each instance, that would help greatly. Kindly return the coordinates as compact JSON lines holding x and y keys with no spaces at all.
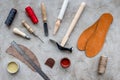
{"x":43,"y":11}
{"x":102,"y":64}
{"x":72,"y":25}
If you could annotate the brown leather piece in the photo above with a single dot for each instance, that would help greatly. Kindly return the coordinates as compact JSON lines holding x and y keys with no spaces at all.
{"x":50,"y":62}
{"x":12,"y":51}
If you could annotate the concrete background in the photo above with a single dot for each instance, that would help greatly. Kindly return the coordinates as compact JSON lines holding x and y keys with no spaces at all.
{"x":82,"y":67}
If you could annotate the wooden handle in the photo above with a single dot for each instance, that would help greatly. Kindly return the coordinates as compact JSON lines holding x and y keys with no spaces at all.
{"x":17,"y":31}
{"x":57,"y":25}
{"x":72,"y":25}
{"x":27,"y":26}
{"x":43,"y":10}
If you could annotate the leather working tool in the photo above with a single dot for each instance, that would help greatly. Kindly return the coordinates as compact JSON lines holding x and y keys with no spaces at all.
{"x":29,"y":60}
{"x":44,"y":17}
{"x":29,"y":28}
{"x":20,"y":33}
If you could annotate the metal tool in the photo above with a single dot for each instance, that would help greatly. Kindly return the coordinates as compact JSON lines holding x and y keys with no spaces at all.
{"x":28,"y":27}
{"x":44,"y":17}
{"x":22,"y":34}
{"x":60,"y":47}
{"x":29,"y":60}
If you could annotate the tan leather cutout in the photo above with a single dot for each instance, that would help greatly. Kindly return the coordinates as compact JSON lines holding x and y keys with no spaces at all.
{"x":92,"y":39}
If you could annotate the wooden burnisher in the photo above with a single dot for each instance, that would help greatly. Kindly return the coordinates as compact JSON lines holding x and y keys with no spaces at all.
{"x":102,"y":64}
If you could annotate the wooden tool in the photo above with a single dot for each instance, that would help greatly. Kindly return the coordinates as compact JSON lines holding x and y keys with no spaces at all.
{"x":44,"y":17}
{"x":102,"y":64}
{"x":22,"y":34}
{"x":29,"y":28}
{"x":72,"y":25}
{"x":60,"y":16}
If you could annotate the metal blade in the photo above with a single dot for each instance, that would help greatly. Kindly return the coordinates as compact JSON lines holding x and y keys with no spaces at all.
{"x":45,"y":29}
{"x":38,"y":37}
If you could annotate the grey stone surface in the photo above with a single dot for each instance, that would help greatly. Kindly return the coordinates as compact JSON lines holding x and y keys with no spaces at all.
{"x":82,"y":67}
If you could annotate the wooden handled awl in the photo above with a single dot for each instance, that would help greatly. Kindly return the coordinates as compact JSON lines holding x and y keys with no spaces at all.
{"x":60,"y":16}
{"x":44,"y":17}
{"x":22,"y":34}
{"x":29,"y":28}
{"x":73,"y":23}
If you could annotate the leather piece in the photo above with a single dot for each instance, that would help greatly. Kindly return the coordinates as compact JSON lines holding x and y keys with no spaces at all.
{"x":92,"y":39}
{"x":50,"y":62}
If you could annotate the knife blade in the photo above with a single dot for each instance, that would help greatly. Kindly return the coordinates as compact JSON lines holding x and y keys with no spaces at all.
{"x":45,"y":29}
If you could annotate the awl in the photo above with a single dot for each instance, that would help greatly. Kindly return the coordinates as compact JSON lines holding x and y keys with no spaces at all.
{"x":28,"y":27}
{"x":20,"y":33}
{"x":44,"y":17}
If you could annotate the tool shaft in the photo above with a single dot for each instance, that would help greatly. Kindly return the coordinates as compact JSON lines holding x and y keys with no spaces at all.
{"x":29,"y":60}
{"x":38,"y":37}
{"x":73,"y":23}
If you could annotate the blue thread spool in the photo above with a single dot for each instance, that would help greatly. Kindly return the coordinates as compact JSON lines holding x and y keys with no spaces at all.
{"x":11,"y":17}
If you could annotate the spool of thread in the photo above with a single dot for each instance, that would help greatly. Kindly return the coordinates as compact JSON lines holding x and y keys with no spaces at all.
{"x":102,"y":64}
{"x":10,"y":17}
{"x":31,"y":14}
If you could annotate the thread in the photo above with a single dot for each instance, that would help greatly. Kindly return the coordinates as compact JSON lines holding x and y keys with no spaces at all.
{"x":10,"y":17}
{"x":31,"y":14}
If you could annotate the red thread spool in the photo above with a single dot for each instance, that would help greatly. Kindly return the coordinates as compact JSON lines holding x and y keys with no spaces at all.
{"x":31,"y":14}
{"x":65,"y":62}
